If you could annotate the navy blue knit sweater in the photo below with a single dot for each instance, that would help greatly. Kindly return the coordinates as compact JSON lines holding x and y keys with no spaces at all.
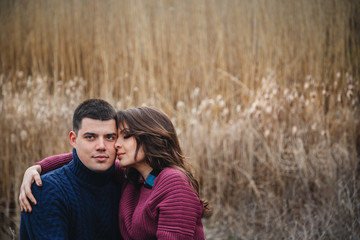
{"x":73,"y":203}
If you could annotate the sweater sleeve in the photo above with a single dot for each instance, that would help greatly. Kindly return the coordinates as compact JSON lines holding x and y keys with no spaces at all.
{"x":54,"y":162}
{"x":178,"y":207}
{"x":48,"y":220}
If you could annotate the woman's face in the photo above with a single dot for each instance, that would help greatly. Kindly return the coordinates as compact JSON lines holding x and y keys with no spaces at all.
{"x":126,"y":149}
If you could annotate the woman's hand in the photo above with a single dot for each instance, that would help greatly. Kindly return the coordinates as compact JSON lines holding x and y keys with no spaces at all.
{"x":32,"y":174}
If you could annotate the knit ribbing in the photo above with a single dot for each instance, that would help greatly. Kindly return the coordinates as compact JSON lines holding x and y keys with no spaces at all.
{"x":171,"y":210}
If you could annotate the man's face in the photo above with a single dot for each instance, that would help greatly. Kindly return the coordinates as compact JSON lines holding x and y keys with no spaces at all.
{"x":94,"y":143}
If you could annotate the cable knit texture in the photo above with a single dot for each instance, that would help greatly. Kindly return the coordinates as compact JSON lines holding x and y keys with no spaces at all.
{"x":170,"y":210}
{"x":73,"y":203}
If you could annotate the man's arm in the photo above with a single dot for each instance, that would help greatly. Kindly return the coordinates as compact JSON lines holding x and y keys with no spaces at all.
{"x":49,"y":218}
{"x":32,"y":174}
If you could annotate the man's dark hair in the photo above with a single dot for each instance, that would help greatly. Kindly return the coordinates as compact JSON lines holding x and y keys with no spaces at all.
{"x":95,"y":109}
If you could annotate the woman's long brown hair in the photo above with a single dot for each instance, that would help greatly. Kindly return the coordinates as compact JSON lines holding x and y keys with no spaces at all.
{"x":155,"y":133}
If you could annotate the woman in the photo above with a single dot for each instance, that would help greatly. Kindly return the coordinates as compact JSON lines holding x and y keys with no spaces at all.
{"x":160,"y":196}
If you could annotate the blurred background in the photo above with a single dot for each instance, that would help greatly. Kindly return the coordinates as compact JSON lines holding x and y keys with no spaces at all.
{"x":264,"y":95}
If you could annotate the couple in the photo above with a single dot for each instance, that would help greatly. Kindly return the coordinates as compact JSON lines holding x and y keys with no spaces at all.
{"x":148,"y":194}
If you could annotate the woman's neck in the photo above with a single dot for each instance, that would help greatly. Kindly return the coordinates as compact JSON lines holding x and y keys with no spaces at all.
{"x":144,"y":169}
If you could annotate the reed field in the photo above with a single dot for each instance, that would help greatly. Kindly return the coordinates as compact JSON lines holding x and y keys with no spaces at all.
{"x":264,"y":95}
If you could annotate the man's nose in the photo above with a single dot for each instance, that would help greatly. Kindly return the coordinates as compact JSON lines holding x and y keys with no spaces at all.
{"x":101,"y":144}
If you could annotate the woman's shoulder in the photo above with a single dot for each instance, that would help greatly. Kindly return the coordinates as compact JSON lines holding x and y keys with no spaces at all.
{"x":172,"y":185}
{"x":172,"y":177}
{"x":172,"y":172}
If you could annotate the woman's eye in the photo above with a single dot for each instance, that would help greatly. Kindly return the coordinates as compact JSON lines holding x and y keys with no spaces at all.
{"x":127,"y":136}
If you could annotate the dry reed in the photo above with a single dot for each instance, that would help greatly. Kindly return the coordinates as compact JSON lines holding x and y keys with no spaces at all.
{"x":264,"y":95}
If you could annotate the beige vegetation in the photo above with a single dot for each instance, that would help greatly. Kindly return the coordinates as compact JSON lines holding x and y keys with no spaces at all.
{"x":264,"y":95}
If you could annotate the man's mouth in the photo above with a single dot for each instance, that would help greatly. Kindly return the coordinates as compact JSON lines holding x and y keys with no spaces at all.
{"x":101,"y":158}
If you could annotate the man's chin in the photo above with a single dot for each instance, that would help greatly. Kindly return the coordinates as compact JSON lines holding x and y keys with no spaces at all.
{"x":101,"y":167}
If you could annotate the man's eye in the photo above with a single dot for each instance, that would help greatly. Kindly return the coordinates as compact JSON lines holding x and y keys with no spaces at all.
{"x":111,"y":137}
{"x":89,"y":137}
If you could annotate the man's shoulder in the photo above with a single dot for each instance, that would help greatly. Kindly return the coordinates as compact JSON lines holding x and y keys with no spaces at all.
{"x":52,"y":181}
{"x":54,"y":191}
{"x":56,"y":175}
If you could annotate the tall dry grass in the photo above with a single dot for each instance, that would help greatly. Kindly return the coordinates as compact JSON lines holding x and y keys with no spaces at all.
{"x":157,"y":44}
{"x":285,"y":165}
{"x":264,"y":95}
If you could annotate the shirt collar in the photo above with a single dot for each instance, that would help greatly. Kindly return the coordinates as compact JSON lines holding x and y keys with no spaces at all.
{"x":150,"y":180}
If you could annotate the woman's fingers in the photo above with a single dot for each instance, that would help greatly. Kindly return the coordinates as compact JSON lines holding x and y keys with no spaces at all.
{"x":23,"y":201}
{"x":30,"y":175}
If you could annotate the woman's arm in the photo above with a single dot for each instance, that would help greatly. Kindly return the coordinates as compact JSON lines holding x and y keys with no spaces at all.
{"x":32,"y":174}
{"x":177,"y":200}
{"x":54,"y":162}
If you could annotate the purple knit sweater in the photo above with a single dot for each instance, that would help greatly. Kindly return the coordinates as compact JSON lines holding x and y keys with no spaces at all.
{"x":170,"y":210}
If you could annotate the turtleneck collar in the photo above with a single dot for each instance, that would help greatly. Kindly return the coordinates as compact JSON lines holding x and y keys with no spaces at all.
{"x":88,"y":176}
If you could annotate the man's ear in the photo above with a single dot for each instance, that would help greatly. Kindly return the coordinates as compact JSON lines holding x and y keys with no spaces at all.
{"x":72,"y":138}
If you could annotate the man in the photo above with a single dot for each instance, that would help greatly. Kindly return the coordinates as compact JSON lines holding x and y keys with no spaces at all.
{"x":80,"y":200}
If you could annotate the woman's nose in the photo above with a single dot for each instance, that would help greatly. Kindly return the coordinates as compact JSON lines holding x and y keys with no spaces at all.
{"x":118,"y":143}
